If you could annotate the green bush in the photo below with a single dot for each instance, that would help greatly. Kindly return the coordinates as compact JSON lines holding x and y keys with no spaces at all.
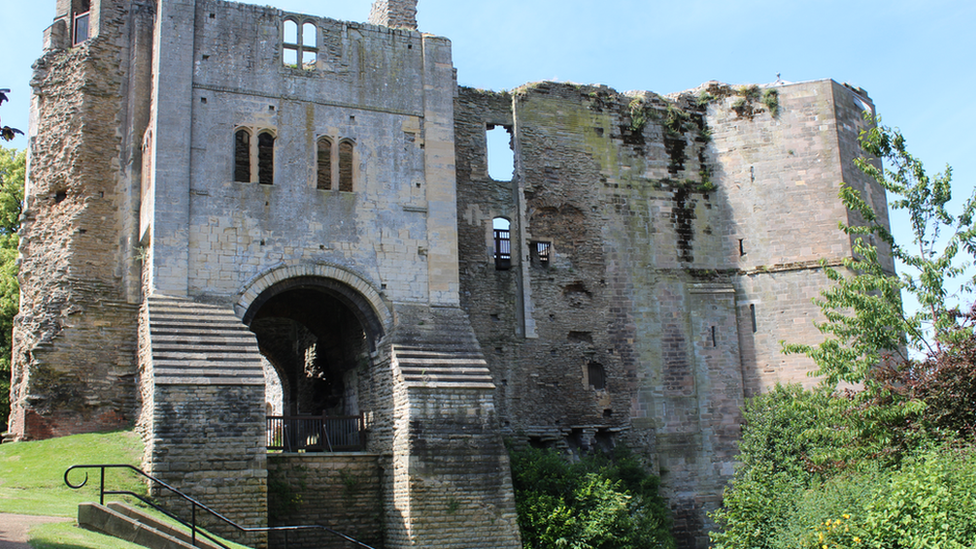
{"x":598,"y":502}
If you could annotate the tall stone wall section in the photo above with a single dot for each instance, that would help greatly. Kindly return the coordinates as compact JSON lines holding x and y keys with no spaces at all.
{"x":628,"y":333}
{"x":74,"y":344}
{"x":340,"y":491}
{"x":781,"y":175}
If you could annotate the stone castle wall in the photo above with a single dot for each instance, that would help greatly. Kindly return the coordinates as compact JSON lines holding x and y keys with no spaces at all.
{"x":79,"y":276}
{"x":341,"y":491}
{"x":662,"y":247}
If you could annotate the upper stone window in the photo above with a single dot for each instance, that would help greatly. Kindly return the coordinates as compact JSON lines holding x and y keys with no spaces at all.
{"x":329,"y":172}
{"x":80,"y":28}
{"x":254,"y":156}
{"x":503,"y":243}
{"x":299,"y":44}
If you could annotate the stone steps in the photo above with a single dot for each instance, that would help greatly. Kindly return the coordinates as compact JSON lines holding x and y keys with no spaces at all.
{"x":200,"y":343}
{"x":437,"y":347}
{"x":127,"y":523}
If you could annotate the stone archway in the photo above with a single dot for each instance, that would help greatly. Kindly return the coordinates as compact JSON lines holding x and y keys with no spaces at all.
{"x":319,"y":334}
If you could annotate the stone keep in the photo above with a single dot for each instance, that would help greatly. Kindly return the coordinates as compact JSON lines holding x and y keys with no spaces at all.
{"x":234,"y":210}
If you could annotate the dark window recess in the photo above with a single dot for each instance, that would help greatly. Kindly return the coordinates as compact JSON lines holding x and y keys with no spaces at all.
{"x":242,"y":156}
{"x":345,"y":166}
{"x":503,"y":249}
{"x":266,"y":158}
{"x":324,"y":164}
{"x":597,"y":375}
{"x":752,"y":313}
{"x":540,"y":253}
{"x":742,"y":247}
{"x":714,"y":341}
{"x":82,"y":23}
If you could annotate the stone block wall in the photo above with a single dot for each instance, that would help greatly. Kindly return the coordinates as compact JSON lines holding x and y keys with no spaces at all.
{"x":341,"y":491}
{"x":451,"y":481}
{"x":208,"y":441}
{"x":74,"y":344}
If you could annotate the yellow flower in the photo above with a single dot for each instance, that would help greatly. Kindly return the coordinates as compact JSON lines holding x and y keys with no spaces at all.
{"x":857,"y":539}
{"x":846,"y":516}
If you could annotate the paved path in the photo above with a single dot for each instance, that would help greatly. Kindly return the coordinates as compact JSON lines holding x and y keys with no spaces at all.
{"x":13,"y":529}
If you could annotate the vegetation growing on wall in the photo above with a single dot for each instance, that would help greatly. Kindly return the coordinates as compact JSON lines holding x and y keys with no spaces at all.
{"x":598,"y":502}
{"x":893,"y":464}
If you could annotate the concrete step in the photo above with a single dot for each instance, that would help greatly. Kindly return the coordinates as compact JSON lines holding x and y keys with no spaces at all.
{"x":104,"y":520}
{"x":178,"y":532}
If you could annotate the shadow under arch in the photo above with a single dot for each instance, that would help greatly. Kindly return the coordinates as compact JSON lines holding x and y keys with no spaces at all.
{"x":351,"y":289}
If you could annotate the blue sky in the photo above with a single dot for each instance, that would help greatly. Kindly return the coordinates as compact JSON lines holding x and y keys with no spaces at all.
{"x":915,"y":59}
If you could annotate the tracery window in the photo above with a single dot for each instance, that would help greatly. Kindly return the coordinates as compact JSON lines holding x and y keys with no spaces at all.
{"x":299,"y":44}
{"x":254,"y":156}
{"x":331,"y":174}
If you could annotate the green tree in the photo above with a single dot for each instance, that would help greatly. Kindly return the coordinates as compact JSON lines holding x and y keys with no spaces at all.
{"x":13,"y":166}
{"x":866,"y":324}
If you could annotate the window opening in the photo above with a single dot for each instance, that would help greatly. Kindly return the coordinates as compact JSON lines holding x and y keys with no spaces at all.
{"x":242,"y":156}
{"x":345,"y":166}
{"x":82,"y":20}
{"x":299,"y":44}
{"x":501,"y":157}
{"x":752,"y":313}
{"x":742,"y":247}
{"x":503,"y":243}
{"x":324,"y":164}
{"x":596,"y":375}
{"x":540,"y":253}
{"x":266,"y":158}
{"x":714,"y":341}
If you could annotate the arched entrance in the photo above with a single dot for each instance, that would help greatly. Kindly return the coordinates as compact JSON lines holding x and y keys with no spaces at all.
{"x":317,"y":334}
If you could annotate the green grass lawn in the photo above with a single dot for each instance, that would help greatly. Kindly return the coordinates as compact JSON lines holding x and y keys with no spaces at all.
{"x":32,"y":483}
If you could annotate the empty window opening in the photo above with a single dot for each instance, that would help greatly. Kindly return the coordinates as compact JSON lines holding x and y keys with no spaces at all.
{"x":81,"y":23}
{"x":324,"y":163}
{"x":501,"y":158}
{"x":540,"y":253}
{"x":752,"y":313}
{"x":742,"y":247}
{"x":266,"y":158}
{"x":345,"y":166}
{"x":299,"y":44}
{"x":580,"y":337}
{"x":242,"y":156}
{"x":714,"y":341}
{"x":596,"y":375}
{"x":503,"y":243}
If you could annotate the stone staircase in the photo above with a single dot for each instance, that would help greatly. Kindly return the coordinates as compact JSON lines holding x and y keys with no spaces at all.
{"x":436,"y":346}
{"x":198,"y":343}
{"x":130,"y":524}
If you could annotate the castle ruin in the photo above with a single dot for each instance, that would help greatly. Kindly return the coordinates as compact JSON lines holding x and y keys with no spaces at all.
{"x":235,"y":212}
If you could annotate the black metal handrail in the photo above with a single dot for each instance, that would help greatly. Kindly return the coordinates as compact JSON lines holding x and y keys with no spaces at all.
{"x":192,"y":525}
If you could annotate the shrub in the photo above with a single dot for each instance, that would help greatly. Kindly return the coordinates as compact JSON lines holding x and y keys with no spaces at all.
{"x":598,"y":502}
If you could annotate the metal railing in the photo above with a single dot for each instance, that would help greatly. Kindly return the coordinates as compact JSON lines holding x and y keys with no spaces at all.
{"x":195,"y":505}
{"x":316,"y":433}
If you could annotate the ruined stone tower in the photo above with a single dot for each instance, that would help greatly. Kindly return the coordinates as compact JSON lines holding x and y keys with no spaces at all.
{"x":236,"y":212}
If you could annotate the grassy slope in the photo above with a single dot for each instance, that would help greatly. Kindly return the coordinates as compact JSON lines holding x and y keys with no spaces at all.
{"x":32,"y":483}
{"x":32,"y":473}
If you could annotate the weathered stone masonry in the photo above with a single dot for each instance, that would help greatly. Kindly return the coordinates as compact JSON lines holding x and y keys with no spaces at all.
{"x":220,"y":190}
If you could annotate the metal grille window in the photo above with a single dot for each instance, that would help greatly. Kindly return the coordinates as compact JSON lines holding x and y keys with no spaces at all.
{"x":540,"y":253}
{"x":503,"y":243}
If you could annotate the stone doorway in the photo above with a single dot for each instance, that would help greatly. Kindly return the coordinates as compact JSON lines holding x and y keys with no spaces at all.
{"x":317,"y":336}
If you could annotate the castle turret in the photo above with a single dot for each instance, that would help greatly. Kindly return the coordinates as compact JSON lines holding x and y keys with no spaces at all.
{"x":401,"y":14}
